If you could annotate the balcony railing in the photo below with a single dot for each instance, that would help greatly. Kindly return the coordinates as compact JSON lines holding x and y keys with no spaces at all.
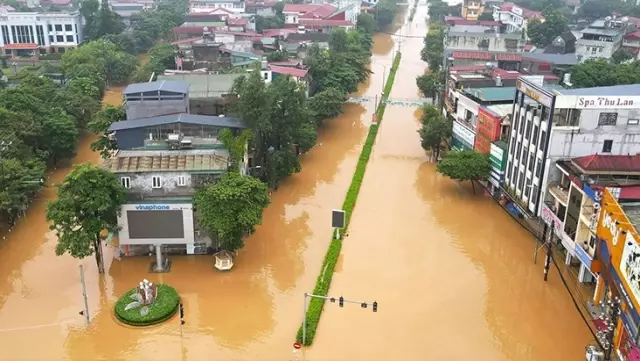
{"x":560,"y":193}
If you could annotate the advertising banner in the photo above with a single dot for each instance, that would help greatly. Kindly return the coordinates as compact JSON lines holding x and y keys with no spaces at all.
{"x":488,"y":124}
{"x":464,"y":137}
{"x":534,"y":92}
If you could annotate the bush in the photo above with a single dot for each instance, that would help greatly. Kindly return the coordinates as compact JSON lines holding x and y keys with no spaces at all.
{"x":331,"y":258}
{"x":165,"y":306}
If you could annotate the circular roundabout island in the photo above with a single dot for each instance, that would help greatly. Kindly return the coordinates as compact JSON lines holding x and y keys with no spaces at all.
{"x":147,"y":304}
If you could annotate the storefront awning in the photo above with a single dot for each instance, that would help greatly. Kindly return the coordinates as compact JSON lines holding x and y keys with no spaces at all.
{"x":21,"y":46}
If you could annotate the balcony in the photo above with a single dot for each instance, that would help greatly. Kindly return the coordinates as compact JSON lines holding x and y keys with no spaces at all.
{"x":473,"y":6}
{"x":559,"y":192}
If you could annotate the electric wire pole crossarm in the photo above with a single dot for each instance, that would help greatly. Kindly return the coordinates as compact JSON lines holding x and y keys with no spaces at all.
{"x":341,"y":301}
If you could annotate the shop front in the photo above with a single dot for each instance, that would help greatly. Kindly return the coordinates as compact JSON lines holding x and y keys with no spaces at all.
{"x":498,"y":159}
{"x":619,"y":257}
{"x":462,"y":137}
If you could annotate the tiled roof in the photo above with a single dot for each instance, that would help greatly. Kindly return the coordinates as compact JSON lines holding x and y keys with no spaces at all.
{"x":633,"y":35}
{"x":154,"y":161}
{"x":475,"y":55}
{"x":467,"y":68}
{"x":323,"y":22}
{"x":509,"y":57}
{"x":199,"y":29}
{"x":312,"y":11}
{"x":300,"y":73}
{"x":222,"y":122}
{"x":462,"y":21}
{"x":170,"y":86}
{"x":526,"y":13}
{"x":234,"y":21}
{"x":608,"y":163}
{"x":279,"y":32}
{"x":299,"y":8}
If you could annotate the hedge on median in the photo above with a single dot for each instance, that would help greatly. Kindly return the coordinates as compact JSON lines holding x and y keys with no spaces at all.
{"x":164,"y":307}
{"x":331,"y":258}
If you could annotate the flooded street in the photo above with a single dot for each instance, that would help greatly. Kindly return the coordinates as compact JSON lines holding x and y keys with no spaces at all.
{"x":452,"y":273}
{"x":251,"y":313}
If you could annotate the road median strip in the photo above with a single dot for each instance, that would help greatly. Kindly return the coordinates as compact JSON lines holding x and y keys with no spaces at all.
{"x":323,"y":282}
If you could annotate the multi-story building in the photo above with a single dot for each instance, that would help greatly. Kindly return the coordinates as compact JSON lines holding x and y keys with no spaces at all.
{"x":603,"y":37}
{"x":573,"y":204}
{"x":206,"y":6}
{"x":490,"y":36}
{"x":618,"y":252}
{"x":549,"y":125}
{"x":472,"y":9}
{"x":321,"y":17}
{"x":162,"y":161}
{"x":33,"y":34}
{"x":515,"y":17}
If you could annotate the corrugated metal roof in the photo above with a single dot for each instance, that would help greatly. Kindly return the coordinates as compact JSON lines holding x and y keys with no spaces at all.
{"x":224,"y":122}
{"x":495,"y":94}
{"x":165,"y":85}
{"x":562,"y":59}
{"x":300,"y":73}
{"x":615,"y":90}
{"x":168,"y":161}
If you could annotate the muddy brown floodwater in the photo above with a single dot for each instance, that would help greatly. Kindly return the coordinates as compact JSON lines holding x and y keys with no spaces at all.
{"x":251,"y":313}
{"x":452,"y":273}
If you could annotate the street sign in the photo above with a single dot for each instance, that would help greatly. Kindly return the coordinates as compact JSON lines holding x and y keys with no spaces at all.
{"x":337,"y":218}
{"x":296,"y":345}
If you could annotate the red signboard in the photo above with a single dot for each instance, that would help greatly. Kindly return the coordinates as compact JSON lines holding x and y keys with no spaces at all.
{"x":482,"y":144}
{"x":21,"y":46}
{"x":488,"y":124}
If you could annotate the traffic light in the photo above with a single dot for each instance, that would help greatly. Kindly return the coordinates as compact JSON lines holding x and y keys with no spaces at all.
{"x":363,"y":305}
{"x":375,"y":306}
{"x":341,"y":301}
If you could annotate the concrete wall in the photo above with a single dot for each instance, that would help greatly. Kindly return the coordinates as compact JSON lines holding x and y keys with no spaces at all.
{"x":151,"y":108}
{"x":584,"y":49}
{"x":142,"y":183}
{"x":458,"y":41}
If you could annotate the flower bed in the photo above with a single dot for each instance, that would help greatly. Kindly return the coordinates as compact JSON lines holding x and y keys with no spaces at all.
{"x":331,"y":258}
{"x":164,"y":307}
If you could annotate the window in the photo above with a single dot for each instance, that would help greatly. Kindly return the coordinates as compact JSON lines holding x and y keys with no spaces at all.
{"x":59,"y":38}
{"x":519,"y":149}
{"x":58,"y":27}
{"x":68,"y":27}
{"x":534,"y":195}
{"x":539,"y":168}
{"x":126,"y":182}
{"x":508,"y":170}
{"x":49,"y":28}
{"x":523,"y":125}
{"x":532,"y":162}
{"x":156,"y":182}
{"x":633,"y":122}
{"x":50,"y":38}
{"x":528,"y":134}
{"x":606,"y":147}
{"x":513,"y":147}
{"x":527,"y":188}
{"x":543,"y":140}
{"x":607,"y":119}
{"x":182,"y":181}
{"x":534,"y":141}
{"x":521,"y":182}
{"x":515,"y":125}
{"x":69,"y":38}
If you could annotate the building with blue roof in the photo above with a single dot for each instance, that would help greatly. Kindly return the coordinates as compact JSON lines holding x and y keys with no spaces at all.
{"x":156,"y":98}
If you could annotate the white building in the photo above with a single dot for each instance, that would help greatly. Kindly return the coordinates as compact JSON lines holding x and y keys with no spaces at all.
{"x":206,"y":6}
{"x":515,"y":17}
{"x":551,"y":125}
{"x":483,"y":38}
{"x":602,"y":38}
{"x":30,"y":34}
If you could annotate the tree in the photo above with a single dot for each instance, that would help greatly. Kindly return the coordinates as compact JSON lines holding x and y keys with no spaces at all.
{"x":596,"y":9}
{"x":600,"y":72}
{"x":433,"y":50}
{"x":236,"y":145}
{"x":366,"y":23}
{"x":88,"y":204}
{"x":231,"y":208}
{"x":435,"y":129}
{"x":269,"y":22}
{"x":543,"y":33}
{"x":622,"y":55}
{"x":59,"y":135}
{"x":438,"y":9}
{"x":100,"y":124}
{"x":486,"y":16}
{"x":19,"y":182}
{"x":326,"y":104}
{"x":278,"y":55}
{"x":99,"y":19}
{"x":385,"y":13}
{"x":103,"y":59}
{"x":429,"y":84}
{"x":465,"y":165}
{"x":159,"y":58}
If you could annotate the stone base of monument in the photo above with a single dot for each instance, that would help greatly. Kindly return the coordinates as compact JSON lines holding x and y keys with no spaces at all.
{"x":165,"y":266}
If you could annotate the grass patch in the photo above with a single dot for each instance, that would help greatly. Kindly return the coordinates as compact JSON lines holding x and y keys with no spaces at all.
{"x":165,"y":306}
{"x":323,"y":282}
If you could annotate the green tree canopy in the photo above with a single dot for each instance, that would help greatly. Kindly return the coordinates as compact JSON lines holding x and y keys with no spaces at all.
{"x":437,"y":10}
{"x":19,"y":182}
{"x":104,"y":60}
{"x":433,"y":50}
{"x":326,"y":104}
{"x":622,"y":55}
{"x":99,"y":125}
{"x":428,"y":84}
{"x":385,"y":13}
{"x":465,"y":165}
{"x":366,"y":23}
{"x":601,"y":72}
{"x":486,"y":16}
{"x":231,"y":208}
{"x":543,"y":33}
{"x":237,"y":145}
{"x":435,"y":129}
{"x":88,"y":203}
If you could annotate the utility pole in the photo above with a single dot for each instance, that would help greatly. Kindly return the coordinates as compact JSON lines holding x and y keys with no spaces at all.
{"x":547,"y":236}
{"x":182,"y":322}
{"x":84,"y":313}
{"x":610,"y":316}
{"x":341,"y":301}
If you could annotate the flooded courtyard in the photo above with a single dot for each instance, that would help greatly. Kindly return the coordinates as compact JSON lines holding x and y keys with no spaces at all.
{"x":453,"y":275}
